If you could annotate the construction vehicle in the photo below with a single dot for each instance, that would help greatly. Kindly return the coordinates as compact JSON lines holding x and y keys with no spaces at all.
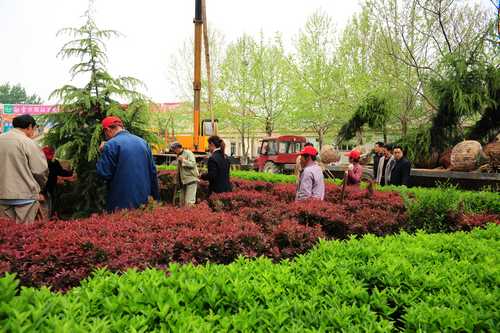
{"x":279,"y":154}
{"x":198,"y":142}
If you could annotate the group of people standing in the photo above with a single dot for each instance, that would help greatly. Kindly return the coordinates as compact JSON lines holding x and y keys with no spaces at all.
{"x":28,"y":175}
{"x":188,"y":176}
{"x":390,"y":165}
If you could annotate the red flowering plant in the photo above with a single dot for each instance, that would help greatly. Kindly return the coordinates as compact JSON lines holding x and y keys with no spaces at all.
{"x":257,"y":218}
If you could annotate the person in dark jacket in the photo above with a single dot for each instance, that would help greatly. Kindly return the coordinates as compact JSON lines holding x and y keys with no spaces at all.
{"x":127,"y":164}
{"x":55,"y":170}
{"x":218,"y":167}
{"x":378,"y":152}
{"x":400,"y":174}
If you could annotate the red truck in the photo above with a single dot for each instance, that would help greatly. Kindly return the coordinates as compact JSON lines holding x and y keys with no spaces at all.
{"x":279,"y":154}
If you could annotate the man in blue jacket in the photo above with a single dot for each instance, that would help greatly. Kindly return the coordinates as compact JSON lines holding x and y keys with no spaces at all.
{"x":126,"y":163}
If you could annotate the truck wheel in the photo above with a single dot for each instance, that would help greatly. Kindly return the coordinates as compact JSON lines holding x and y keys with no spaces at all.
{"x":270,"y":167}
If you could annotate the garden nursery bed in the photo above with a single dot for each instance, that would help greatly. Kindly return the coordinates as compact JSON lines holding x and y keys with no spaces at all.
{"x":415,"y":283}
{"x":120,"y":272}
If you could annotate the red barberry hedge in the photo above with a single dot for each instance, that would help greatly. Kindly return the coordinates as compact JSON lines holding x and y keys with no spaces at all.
{"x":256,"y":219}
{"x":61,"y":253}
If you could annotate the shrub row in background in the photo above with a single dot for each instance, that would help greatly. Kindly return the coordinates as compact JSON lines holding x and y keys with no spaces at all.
{"x":435,"y":209}
{"x":423,"y":202}
{"x":426,"y":283}
{"x":429,"y":209}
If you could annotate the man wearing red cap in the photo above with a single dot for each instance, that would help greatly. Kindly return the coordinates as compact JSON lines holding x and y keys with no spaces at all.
{"x":311,"y":183}
{"x":127,"y":164}
{"x":355,"y":169}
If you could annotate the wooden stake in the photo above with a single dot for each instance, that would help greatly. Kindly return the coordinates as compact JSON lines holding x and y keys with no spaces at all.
{"x":344,"y":184}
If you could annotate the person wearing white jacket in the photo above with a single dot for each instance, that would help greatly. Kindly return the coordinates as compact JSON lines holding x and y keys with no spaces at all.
{"x":385,"y":166}
{"x":23,"y":171}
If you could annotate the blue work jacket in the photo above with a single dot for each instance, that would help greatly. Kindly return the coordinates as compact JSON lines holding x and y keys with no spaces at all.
{"x":127,"y":165}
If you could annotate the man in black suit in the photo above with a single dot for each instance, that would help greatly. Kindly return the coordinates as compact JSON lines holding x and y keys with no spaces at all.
{"x":400,"y":174}
{"x":218,"y":167}
{"x":378,"y":152}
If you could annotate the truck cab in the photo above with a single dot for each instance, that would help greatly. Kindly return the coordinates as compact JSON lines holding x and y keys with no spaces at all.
{"x":279,"y":154}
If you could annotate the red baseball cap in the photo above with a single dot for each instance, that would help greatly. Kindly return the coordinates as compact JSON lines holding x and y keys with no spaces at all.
{"x":49,"y":152}
{"x":111,"y":120}
{"x":309,"y":150}
{"x":354,"y":154}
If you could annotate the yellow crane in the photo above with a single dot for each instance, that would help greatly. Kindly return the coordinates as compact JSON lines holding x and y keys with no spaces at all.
{"x":198,"y":141}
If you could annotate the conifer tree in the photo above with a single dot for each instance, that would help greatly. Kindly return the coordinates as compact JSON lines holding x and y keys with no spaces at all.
{"x":77,"y":131}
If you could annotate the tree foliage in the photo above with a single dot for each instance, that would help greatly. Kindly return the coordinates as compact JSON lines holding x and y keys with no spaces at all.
{"x":16,"y":94}
{"x":374,"y":112}
{"x":271,"y":75}
{"x":317,"y":80}
{"x":77,"y":131}
{"x":235,"y":100}
{"x":395,"y":50}
{"x":466,"y":88}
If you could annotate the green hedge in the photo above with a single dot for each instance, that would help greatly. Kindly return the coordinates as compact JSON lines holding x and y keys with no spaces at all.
{"x":427,"y":283}
{"x":432,"y":209}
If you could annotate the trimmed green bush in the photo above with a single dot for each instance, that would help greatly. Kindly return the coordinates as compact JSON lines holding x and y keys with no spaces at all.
{"x":434,"y":209}
{"x":427,"y":283}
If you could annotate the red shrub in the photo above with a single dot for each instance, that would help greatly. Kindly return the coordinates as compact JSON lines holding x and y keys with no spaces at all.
{"x":239,"y":184}
{"x":468,"y":222}
{"x":267,"y":217}
{"x":233,"y":201}
{"x":284,"y":192}
{"x":292,"y":238}
{"x":353,"y":217}
{"x":62,"y":253}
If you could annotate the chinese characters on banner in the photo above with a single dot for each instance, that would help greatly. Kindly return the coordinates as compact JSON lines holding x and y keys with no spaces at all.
{"x":9,"y":111}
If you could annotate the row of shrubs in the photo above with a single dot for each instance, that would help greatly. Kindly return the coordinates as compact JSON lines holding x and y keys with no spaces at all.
{"x":62,"y":253}
{"x":429,"y":209}
{"x":256,"y":219}
{"x":415,"y":283}
{"x":421,"y":201}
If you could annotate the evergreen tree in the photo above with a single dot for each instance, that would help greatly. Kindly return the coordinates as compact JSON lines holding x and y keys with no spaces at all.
{"x":77,"y":130}
{"x":373,"y":111}
{"x":466,"y":89}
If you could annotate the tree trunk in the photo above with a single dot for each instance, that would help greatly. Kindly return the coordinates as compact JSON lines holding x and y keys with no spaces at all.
{"x":404,"y":127}
{"x":384,"y":129}
{"x":359,"y":136}
{"x":320,"y":138}
{"x":269,"y":128}
{"x":244,"y":154}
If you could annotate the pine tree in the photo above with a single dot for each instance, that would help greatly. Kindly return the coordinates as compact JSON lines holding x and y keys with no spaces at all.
{"x":77,"y":130}
{"x":374,"y":111}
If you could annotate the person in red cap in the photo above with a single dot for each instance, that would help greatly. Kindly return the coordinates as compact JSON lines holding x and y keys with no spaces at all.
{"x":298,"y":163}
{"x":127,"y":164}
{"x":312,"y":182}
{"x":55,"y":170}
{"x":355,"y":170}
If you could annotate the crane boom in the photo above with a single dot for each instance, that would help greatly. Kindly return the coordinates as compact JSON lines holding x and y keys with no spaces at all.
{"x":198,"y":25}
{"x":207,"y":63}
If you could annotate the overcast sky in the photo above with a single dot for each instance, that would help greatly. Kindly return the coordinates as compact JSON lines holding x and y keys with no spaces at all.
{"x":153,"y":29}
